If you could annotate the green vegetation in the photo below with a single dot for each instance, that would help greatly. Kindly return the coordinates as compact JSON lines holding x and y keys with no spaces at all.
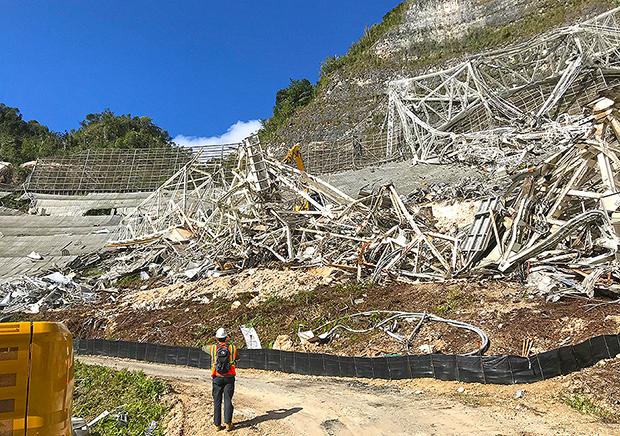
{"x":352,"y":288}
{"x":98,"y":389}
{"x":129,"y":280}
{"x":362,"y":58}
{"x":361,"y":52}
{"x":107,"y":130}
{"x":13,"y":201}
{"x":22,"y":141}
{"x":553,"y":13}
{"x":298,"y":94}
{"x":455,"y":300}
{"x":586,"y":406}
{"x":278,"y":310}
{"x":92,"y":271}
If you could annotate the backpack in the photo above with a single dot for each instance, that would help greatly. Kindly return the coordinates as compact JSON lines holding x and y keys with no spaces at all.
{"x":222,"y":360}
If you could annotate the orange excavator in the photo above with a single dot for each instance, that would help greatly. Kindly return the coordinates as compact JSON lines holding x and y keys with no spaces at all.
{"x":36,"y":379}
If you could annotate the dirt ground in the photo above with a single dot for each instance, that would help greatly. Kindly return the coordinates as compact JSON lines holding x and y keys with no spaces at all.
{"x":273,"y":403}
{"x":504,"y":310}
{"x":600,"y":383}
{"x":295,"y":300}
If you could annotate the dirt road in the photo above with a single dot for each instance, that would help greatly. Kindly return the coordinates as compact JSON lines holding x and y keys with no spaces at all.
{"x":272,"y":403}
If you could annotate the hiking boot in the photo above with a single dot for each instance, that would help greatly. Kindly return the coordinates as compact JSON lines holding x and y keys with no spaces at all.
{"x":229,"y":426}
{"x":219,"y":427}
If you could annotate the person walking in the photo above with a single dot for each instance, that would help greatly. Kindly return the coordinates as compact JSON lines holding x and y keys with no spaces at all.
{"x":223,"y":372}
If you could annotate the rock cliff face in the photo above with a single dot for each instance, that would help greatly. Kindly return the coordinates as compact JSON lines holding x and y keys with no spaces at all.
{"x":440,"y":20}
{"x":428,"y":34}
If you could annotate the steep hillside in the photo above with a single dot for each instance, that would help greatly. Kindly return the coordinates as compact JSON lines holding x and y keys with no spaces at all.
{"x":417,"y":36}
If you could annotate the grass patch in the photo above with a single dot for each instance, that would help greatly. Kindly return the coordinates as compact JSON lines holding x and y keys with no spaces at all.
{"x":360,"y":50}
{"x":455,"y":300}
{"x":300,"y":310}
{"x":14,"y":201}
{"x":586,"y":406}
{"x":353,"y":288}
{"x":129,"y":281}
{"x":92,"y":272}
{"x":98,"y":389}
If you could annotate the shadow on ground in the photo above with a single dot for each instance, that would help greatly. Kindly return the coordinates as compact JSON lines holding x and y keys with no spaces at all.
{"x":270,"y":415}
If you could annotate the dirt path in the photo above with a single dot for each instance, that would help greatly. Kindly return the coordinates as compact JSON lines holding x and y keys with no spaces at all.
{"x":269,"y":403}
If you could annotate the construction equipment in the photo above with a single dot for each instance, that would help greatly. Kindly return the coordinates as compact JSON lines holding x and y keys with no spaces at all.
{"x":294,"y":155}
{"x":36,"y":379}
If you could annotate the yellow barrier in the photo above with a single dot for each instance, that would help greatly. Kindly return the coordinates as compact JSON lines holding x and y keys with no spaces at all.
{"x":36,"y":379}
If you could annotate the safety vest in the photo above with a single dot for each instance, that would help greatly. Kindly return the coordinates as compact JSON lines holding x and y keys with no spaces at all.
{"x":232,"y":350}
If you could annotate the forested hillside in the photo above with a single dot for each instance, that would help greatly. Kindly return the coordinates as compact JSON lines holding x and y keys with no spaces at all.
{"x":22,"y":141}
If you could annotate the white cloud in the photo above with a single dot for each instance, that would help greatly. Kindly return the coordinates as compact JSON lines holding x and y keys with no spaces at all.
{"x":235,"y":133}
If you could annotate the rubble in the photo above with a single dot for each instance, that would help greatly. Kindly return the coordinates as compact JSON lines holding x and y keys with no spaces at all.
{"x":283,"y":342}
{"x":466,"y":189}
{"x":32,"y":295}
{"x":558,"y":220}
{"x":253,"y":221}
{"x":498,"y":107}
{"x":554,"y":223}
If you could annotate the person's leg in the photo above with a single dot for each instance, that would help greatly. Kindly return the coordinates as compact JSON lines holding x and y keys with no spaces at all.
{"x":218,"y":390}
{"x":229,"y":391}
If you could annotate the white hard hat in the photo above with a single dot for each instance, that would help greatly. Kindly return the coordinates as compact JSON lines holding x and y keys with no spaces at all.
{"x":221,"y":333}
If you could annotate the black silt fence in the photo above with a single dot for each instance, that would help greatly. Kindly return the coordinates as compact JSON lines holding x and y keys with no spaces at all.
{"x":478,"y":369}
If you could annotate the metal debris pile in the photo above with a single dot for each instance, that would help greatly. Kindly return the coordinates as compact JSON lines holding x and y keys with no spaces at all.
{"x":554,"y":223}
{"x":558,"y":222}
{"x":499,"y":107}
{"x":549,"y":103}
{"x":271,"y":212}
{"x":32,"y":295}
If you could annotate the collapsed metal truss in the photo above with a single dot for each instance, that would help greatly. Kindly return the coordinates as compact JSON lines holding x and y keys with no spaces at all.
{"x":516,"y":96}
{"x":254,"y":219}
{"x":176,"y":209}
{"x":558,"y":219}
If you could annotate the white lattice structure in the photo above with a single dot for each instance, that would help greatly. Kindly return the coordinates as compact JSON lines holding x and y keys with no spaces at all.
{"x":496,"y":95}
{"x":177,"y":208}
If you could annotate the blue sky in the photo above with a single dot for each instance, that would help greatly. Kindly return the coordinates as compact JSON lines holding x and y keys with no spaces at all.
{"x":196,"y":67}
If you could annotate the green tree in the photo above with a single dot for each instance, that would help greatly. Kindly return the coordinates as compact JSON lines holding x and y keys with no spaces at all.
{"x":107,"y":130}
{"x":298,"y":94}
{"x":20,"y":140}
